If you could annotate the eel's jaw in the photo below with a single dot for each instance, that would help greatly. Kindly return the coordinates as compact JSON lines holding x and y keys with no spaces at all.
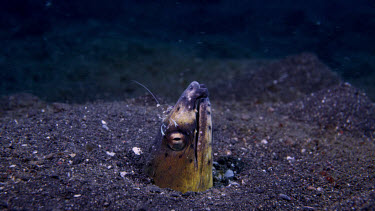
{"x":204,"y":145}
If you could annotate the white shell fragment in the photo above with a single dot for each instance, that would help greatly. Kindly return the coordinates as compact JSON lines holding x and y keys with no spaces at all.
{"x":111,"y":153}
{"x":264,"y":141}
{"x":104,"y":125}
{"x":123,"y":173}
{"x":137,"y":150}
{"x":289,"y":158}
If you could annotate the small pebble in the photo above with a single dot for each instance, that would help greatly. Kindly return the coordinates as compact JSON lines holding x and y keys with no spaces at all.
{"x":229,"y":174}
{"x":105,"y":127}
{"x":234,"y":183}
{"x":245,"y":116}
{"x":234,"y":140}
{"x":310,"y":188}
{"x":111,"y":153}
{"x":285,"y":197}
{"x":289,"y":158}
{"x":155,"y":190}
{"x":308,"y":208}
{"x":123,"y":173}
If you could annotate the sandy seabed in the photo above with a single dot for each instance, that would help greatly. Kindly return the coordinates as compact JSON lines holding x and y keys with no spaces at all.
{"x":304,"y":140}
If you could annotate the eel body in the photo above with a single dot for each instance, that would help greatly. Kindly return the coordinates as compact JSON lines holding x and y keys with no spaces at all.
{"x":182,"y":153}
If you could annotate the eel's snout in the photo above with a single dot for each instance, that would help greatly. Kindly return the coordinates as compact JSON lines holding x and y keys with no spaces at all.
{"x":197,"y":90}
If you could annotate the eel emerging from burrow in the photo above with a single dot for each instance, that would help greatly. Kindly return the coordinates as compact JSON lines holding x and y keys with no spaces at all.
{"x":181,"y":157}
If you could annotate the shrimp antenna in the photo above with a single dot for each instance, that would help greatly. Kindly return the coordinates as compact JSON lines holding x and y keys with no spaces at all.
{"x":147,"y":90}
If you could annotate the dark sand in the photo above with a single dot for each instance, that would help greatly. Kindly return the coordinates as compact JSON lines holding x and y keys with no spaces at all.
{"x":299,"y":138}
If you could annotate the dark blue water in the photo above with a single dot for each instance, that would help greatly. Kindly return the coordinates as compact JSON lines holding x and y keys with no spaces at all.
{"x":84,"y":50}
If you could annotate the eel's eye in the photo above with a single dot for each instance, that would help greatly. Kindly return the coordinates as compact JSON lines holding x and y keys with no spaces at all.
{"x":176,"y":141}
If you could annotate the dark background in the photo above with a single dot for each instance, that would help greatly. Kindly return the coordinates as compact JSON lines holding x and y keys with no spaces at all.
{"x":77,"y":51}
